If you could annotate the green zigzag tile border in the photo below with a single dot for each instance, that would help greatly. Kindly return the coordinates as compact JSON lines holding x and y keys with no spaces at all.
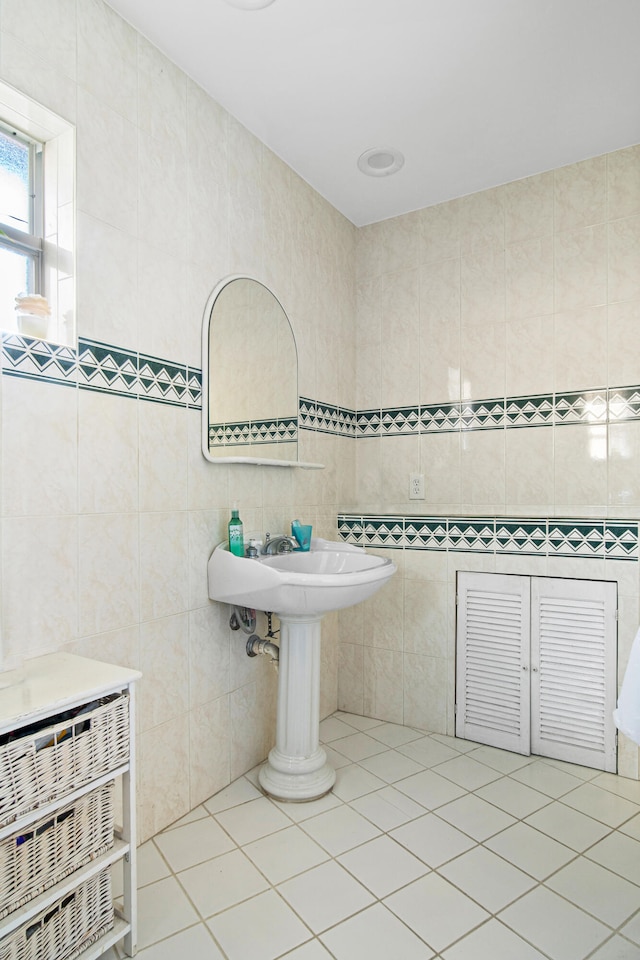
{"x":537,"y":536}
{"x":108,"y":369}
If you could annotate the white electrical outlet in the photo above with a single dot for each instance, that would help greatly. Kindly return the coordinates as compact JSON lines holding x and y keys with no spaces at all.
{"x":416,"y":486}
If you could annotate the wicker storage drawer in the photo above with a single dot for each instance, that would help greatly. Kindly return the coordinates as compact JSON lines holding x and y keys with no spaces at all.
{"x":62,"y":931}
{"x":34,"y":859}
{"x":44,"y":763}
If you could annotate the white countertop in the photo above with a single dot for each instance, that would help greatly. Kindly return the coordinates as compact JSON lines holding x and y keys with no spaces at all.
{"x":52,"y":683}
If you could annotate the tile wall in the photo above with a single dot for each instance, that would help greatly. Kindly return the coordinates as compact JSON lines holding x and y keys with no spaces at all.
{"x":109,"y":510}
{"x":497,"y":353}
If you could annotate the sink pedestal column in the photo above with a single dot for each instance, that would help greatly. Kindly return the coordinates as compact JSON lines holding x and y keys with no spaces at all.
{"x":297,"y":767}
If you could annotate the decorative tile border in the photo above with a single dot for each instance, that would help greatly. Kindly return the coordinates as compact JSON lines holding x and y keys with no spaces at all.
{"x":284,"y":430}
{"x":538,"y":537}
{"x":587,"y":406}
{"x":326,"y":418}
{"x":105,"y":368}
{"x":38,"y":360}
{"x":102,"y":368}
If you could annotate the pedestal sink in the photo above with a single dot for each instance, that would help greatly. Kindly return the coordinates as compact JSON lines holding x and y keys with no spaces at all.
{"x":300,"y":588}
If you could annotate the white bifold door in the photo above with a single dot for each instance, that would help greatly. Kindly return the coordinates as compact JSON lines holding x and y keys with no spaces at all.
{"x":536,"y":664}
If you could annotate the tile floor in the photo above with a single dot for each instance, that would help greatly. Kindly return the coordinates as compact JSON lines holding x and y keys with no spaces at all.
{"x":427,"y":847}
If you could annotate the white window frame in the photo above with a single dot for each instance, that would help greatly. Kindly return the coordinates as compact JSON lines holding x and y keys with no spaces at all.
{"x":54,"y":211}
{"x":28,"y":242}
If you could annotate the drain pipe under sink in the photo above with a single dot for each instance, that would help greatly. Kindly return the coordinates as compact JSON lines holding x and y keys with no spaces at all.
{"x":256,"y":646}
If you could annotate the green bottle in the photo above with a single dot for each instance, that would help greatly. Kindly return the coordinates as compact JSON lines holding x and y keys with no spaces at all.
{"x":236,"y":537}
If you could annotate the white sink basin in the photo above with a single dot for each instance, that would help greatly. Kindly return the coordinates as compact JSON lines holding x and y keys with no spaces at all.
{"x":330,"y":576}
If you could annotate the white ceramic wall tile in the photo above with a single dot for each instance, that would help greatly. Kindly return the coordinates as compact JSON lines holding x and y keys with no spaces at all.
{"x":40,"y":449}
{"x":108,"y":578}
{"x":440,"y":232}
{"x":580,"y":348}
{"x":107,"y":53}
{"x":164,"y":661}
{"x":107,"y":154}
{"x":580,"y":268}
{"x":623,"y":181}
{"x":528,"y":208}
{"x":580,"y":194}
{"x":39,"y":584}
{"x":529,"y":278}
{"x":107,"y":454}
{"x":163,"y":564}
{"x":163,"y":788}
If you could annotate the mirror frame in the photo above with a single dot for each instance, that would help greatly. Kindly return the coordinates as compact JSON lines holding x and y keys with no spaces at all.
{"x":206,"y":329}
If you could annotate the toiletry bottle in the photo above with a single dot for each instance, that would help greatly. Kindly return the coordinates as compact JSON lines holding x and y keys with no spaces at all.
{"x":236,"y":537}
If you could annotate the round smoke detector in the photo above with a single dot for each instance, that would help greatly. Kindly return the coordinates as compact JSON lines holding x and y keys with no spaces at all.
{"x":380,"y":161}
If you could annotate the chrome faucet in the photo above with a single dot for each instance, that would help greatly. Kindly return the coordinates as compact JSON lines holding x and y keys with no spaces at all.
{"x":279,"y":544}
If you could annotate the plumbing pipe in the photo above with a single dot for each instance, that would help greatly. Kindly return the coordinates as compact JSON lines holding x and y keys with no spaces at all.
{"x":257,"y":646}
{"x":243,"y":617}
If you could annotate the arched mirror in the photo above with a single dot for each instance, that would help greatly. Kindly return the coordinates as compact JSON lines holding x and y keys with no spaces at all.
{"x":249,"y":377}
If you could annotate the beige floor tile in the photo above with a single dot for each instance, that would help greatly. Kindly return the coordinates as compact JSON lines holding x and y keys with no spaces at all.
{"x":617,"y":948}
{"x":513,"y":797}
{"x":467,"y":772}
{"x":284,"y":854}
{"x":221,"y":883}
{"x":568,"y":826}
{"x":436,"y":911}
{"x":388,"y":808}
{"x":601,"y":805}
{"x":430,"y":789}
{"x":325,"y":895}
{"x":262,"y":928}
{"x":252,"y":820}
{"x":546,"y":779}
{"x":475,"y":817}
{"x":432,"y":840}
{"x":428,"y":751}
{"x":383,"y":866}
{"x":353,"y":781}
{"x":487,"y":878}
{"x":554,"y":926}
{"x":193,"y":843}
{"x":240,"y":791}
{"x":375,"y":934}
{"x":358,"y":746}
{"x":530,"y":851}
{"x":601,"y":893}
{"x":163,"y":909}
{"x":394,"y":735}
{"x":391,"y":766}
{"x":619,"y":854}
{"x":492,"y":941}
{"x":340,"y":829}
{"x":502,"y":760}
{"x":196,"y":943}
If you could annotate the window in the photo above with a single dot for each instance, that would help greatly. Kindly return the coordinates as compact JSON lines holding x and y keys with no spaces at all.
{"x":20,"y":219}
{"x":37,"y":215}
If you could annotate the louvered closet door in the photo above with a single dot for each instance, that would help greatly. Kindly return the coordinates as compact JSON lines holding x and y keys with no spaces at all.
{"x":573,"y":671}
{"x":492,"y":660}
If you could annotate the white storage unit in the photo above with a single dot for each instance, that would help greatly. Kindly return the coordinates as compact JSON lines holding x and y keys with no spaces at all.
{"x":66,"y":744}
{"x":536,"y":664}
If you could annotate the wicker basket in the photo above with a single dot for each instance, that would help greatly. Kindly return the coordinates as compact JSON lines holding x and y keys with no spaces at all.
{"x":45,"y":764}
{"x":66,"y":928}
{"x":33,"y":860}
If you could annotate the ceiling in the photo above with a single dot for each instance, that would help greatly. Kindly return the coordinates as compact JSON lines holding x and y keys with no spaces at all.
{"x":474,"y":93}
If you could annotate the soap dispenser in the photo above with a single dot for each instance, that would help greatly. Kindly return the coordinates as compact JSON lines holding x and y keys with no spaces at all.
{"x":236,"y":536}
